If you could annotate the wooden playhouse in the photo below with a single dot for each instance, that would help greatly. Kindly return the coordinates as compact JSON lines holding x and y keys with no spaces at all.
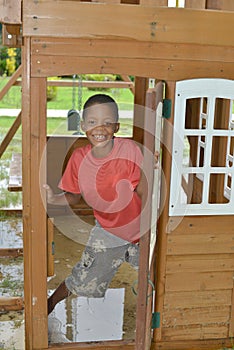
{"x":190,"y":54}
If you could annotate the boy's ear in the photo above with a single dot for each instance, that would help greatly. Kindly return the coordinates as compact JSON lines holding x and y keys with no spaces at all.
{"x":117,"y":125}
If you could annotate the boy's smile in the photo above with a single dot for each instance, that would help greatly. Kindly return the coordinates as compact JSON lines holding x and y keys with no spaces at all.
{"x":100,"y":125}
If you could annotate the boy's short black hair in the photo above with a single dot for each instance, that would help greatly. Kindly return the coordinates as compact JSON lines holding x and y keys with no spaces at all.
{"x":100,"y":99}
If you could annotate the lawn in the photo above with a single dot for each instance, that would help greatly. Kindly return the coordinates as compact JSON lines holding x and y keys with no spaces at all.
{"x":67,"y":97}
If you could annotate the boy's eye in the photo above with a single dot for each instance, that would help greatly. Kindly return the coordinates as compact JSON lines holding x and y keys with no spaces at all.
{"x":91,"y":122}
{"x":108,"y":123}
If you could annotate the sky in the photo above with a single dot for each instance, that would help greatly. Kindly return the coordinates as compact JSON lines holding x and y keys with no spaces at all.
{"x":173,"y":3}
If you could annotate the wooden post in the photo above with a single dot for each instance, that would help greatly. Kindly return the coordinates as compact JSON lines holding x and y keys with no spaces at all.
{"x":141,"y":86}
{"x":34,"y":214}
{"x":50,"y":247}
{"x":163,"y":220}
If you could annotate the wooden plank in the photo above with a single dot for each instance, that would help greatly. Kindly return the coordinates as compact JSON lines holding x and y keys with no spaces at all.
{"x":196,"y":343}
{"x":154,"y":2}
{"x":129,"y":49}
{"x":206,"y":243}
{"x":11,"y":252}
{"x":156,"y":24}
{"x":34,"y":215}
{"x":93,"y":84}
{"x":107,"y":56}
{"x":50,"y":247}
{"x":10,"y":11}
{"x":27,"y":237}
{"x":141,"y":86}
{"x":200,"y":316}
{"x":199,"y":281}
{"x":231,"y":325}
{"x":144,"y":304}
{"x":203,"y":299}
{"x":38,"y":212}
{"x":11,"y":303}
{"x":162,"y":69}
{"x":10,"y":134}
{"x":202,"y":263}
{"x":196,"y":224}
{"x":195,"y":4}
{"x":15,"y":175}
{"x":220,"y":5}
{"x":102,"y":345}
{"x":196,"y":333}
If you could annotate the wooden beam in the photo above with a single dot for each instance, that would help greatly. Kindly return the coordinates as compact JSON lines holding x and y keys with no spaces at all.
{"x":11,"y":252}
{"x":11,"y":82}
{"x":111,"y":48}
{"x":10,"y":11}
{"x":101,"y":345}
{"x":10,"y":134}
{"x":11,"y":303}
{"x":163,"y":61}
{"x":141,"y":86}
{"x":34,"y":213}
{"x":153,"y":24}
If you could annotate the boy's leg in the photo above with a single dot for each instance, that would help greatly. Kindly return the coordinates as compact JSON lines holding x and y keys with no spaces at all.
{"x":59,"y":294}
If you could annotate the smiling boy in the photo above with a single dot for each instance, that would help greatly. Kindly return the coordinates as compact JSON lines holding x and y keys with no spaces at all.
{"x":106,"y":173}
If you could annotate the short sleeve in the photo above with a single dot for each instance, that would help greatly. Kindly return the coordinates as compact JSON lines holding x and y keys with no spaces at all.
{"x":69,"y":181}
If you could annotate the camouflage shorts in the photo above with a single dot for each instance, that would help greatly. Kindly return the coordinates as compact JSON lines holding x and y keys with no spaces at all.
{"x":103,"y":255}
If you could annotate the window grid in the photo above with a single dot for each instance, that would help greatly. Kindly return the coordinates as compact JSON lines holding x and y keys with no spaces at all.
{"x":208,"y":91}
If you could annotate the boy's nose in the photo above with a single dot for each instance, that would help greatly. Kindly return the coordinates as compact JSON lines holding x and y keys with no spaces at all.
{"x":100,"y":126}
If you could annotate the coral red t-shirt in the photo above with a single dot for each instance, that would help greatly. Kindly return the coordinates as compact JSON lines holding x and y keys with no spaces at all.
{"x":108,"y":186}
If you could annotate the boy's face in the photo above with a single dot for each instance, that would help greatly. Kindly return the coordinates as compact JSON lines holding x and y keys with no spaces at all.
{"x":100,"y":124}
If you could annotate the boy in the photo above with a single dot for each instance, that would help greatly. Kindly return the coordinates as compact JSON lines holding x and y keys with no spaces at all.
{"x":106,"y":173}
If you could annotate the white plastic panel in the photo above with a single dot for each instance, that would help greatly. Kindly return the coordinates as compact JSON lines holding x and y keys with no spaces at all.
{"x":205,"y":134}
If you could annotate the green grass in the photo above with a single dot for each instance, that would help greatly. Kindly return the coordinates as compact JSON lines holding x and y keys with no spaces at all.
{"x":64,"y":98}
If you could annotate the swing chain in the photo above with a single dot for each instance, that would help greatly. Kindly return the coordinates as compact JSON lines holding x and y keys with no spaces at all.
{"x":74,"y":91}
{"x":79,"y":93}
{"x":79,"y":106}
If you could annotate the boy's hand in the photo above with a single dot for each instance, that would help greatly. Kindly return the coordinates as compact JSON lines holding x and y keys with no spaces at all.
{"x":156,"y":160}
{"x":49,"y":194}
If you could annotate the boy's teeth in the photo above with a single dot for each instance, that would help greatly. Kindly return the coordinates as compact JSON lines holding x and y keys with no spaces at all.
{"x":99,"y":137}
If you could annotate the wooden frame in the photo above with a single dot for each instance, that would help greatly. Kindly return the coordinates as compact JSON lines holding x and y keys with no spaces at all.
{"x":162,"y":43}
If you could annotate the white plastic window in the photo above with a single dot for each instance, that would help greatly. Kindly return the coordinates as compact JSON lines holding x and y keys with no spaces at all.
{"x":203,"y":148}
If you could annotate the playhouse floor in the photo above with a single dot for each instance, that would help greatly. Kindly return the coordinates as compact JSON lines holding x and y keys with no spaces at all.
{"x":68,"y":248}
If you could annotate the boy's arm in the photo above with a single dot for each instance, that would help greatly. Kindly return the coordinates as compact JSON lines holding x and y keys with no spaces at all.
{"x":64,"y":198}
{"x":140,"y":187}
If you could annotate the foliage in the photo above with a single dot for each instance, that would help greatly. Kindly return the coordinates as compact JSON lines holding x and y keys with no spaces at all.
{"x":3,"y":58}
{"x":11,"y":61}
{"x":99,"y":77}
{"x":52,"y":90}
